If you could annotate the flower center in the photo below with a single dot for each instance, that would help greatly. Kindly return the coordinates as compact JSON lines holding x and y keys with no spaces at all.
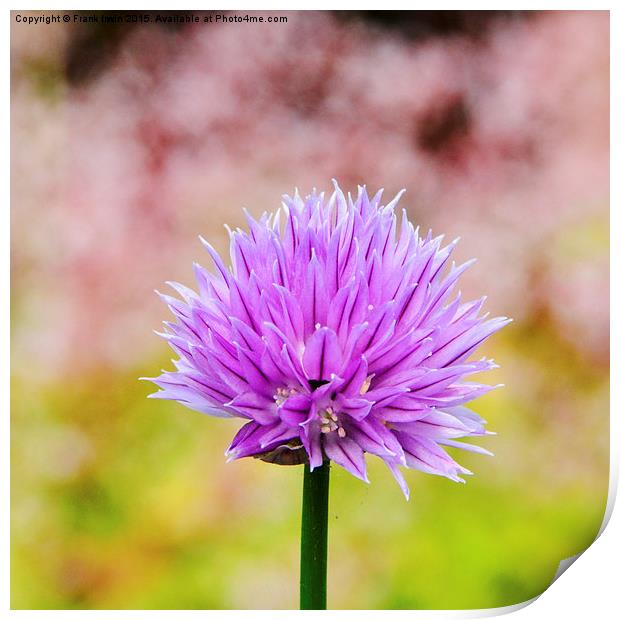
{"x":315,"y":384}
{"x":282,"y":394}
{"x":329,"y":422}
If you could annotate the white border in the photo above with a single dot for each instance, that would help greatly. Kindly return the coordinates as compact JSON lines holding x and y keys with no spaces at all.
{"x":589,"y":587}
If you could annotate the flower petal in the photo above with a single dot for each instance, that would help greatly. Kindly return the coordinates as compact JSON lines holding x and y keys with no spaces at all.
{"x":296,"y":409}
{"x":427,"y":456}
{"x":311,"y":439}
{"x":347,"y":454}
{"x":255,"y":406}
{"x":255,"y":438}
{"x":322,"y":357}
{"x":357,"y":408}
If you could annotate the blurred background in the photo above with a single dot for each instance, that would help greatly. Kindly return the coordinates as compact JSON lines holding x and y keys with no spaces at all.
{"x":128,"y":141}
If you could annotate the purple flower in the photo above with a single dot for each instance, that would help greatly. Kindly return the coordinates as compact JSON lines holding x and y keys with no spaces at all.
{"x":333,"y":335}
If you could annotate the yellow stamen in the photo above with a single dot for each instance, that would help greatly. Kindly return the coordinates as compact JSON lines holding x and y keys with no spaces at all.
{"x":366,"y":385}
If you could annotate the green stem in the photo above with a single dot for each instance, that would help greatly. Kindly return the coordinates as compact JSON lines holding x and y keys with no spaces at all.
{"x":313,"y":576}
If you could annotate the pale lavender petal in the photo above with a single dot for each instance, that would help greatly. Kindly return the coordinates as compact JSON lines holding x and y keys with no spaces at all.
{"x":469,"y":447}
{"x":398,"y":476}
{"x":428,"y":456}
